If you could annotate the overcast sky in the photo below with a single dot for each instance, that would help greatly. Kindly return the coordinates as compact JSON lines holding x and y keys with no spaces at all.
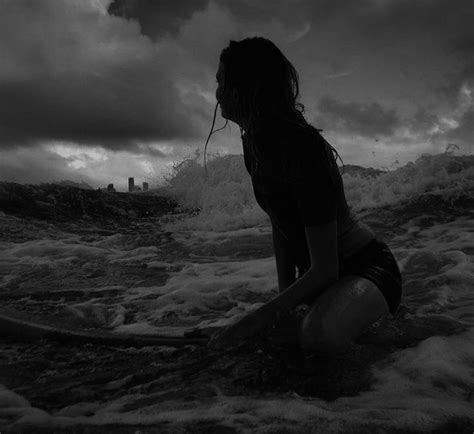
{"x":101,"y":90}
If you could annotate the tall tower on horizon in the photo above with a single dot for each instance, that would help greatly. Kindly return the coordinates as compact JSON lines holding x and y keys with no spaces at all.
{"x":131,"y":185}
{"x":145,"y":186}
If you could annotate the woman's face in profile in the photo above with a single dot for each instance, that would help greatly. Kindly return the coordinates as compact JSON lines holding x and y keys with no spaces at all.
{"x":223,"y":96}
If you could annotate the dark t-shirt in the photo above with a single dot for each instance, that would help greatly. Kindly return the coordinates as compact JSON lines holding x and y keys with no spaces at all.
{"x":297,"y":183}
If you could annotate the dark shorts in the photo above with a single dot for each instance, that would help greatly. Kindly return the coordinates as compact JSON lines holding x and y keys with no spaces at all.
{"x":376,"y":263}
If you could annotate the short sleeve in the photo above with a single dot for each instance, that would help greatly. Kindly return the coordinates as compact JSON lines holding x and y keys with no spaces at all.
{"x":312,"y":185}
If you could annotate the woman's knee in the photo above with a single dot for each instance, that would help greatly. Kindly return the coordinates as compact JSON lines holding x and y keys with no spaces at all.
{"x":320,"y":336}
{"x":341,"y":313}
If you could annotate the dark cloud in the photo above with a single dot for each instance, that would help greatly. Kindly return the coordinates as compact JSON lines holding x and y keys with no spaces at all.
{"x":87,"y":110}
{"x":463,"y":45}
{"x":367,"y":120}
{"x":464,"y":133}
{"x":289,"y":12}
{"x":419,"y":40}
{"x":75,"y":74}
{"x":395,"y":20}
{"x":72,"y":73}
{"x":422,"y":120}
{"x":33,"y":166}
{"x":453,"y":82}
{"x":157,"y":18}
{"x":454,"y":25}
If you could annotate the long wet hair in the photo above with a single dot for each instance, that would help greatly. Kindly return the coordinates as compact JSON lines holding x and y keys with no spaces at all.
{"x":267,"y":85}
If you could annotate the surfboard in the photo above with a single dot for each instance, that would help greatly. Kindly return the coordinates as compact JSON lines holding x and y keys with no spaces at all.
{"x":17,"y":325}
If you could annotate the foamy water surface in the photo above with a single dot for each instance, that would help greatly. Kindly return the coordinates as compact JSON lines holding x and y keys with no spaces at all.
{"x":210,"y":282}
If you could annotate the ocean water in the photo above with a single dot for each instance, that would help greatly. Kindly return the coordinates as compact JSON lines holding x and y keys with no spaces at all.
{"x":207,"y":268}
{"x":225,"y":198}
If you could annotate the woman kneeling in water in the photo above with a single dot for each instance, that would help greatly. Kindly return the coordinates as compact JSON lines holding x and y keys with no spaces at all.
{"x":347,"y":276}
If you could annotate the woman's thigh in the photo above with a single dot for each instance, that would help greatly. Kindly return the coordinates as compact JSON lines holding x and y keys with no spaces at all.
{"x":341,"y":313}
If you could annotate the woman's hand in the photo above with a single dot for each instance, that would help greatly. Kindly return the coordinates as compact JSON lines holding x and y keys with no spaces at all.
{"x":246,"y":327}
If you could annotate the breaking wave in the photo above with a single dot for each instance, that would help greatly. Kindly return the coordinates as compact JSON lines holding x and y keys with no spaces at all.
{"x":222,"y":198}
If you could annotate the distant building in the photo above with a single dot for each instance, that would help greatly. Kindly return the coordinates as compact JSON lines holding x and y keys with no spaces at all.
{"x":110,"y":188}
{"x":131,"y":185}
{"x":145,"y":186}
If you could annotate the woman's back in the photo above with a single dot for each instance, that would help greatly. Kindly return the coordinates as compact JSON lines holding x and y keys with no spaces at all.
{"x":297,"y":182}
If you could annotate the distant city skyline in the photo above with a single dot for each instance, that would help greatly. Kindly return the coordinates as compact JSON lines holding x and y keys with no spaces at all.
{"x":94,"y":89}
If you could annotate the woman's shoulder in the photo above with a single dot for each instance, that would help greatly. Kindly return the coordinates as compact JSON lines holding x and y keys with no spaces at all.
{"x":300,"y":135}
{"x":289,"y":136}
{"x":298,"y":146}
{"x":304,"y":144}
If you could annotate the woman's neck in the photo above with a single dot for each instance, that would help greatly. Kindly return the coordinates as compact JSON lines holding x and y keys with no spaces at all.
{"x":273,"y":122}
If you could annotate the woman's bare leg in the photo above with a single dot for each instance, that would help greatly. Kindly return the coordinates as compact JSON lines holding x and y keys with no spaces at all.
{"x":341,"y":313}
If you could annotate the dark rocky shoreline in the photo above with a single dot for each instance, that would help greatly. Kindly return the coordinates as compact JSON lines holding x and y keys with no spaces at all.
{"x":61,"y":203}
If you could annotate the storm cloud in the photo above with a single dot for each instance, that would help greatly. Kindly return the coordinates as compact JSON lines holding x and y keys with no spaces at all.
{"x":136,"y":77}
{"x":368,"y":120}
{"x":157,"y":18}
{"x":74,"y":73}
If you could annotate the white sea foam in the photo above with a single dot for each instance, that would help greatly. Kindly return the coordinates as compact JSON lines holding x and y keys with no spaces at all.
{"x":39,"y":252}
{"x":202,"y":295}
{"x":225,"y":198}
{"x":438,"y":267}
{"x":419,"y":389}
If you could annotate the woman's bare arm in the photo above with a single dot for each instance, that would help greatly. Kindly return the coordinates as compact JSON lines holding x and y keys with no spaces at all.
{"x":286,"y":268}
{"x":324,"y":271}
